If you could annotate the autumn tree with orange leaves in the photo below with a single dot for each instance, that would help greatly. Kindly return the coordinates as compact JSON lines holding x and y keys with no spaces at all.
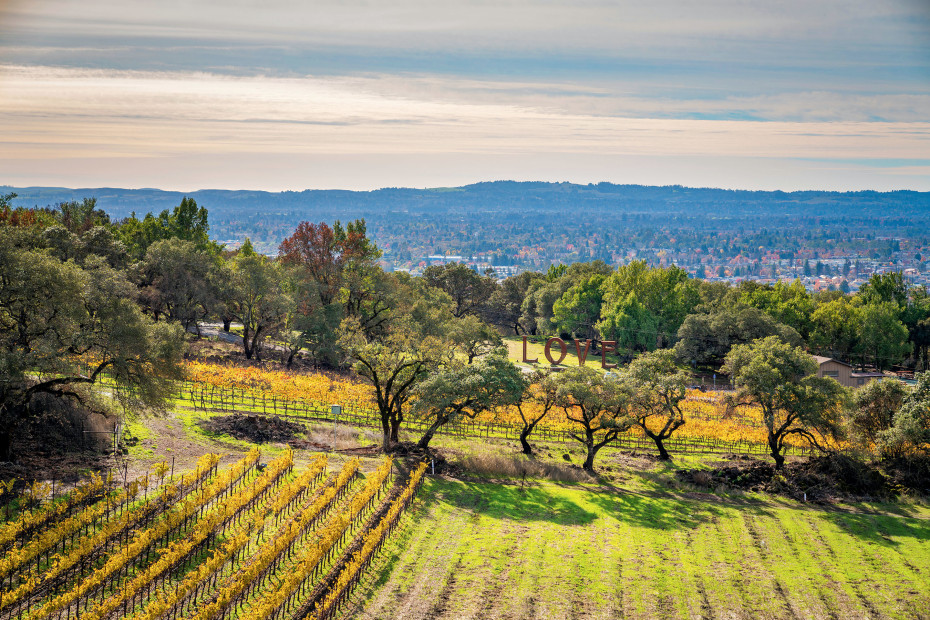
{"x":333,"y":273}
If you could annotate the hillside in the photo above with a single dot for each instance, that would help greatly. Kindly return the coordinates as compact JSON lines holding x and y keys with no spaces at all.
{"x":485,"y":550}
{"x":523,"y":224}
{"x":491,"y":534}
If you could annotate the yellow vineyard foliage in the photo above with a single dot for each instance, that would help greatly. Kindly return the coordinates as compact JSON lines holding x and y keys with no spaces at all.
{"x":707,"y":415}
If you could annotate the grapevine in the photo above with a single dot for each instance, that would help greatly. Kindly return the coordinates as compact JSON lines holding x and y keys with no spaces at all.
{"x":294,"y":580}
{"x":246,"y":579}
{"x":371,"y":542}
{"x":110,"y":528}
{"x":93,"y":489}
{"x":179,"y":550}
{"x":196,"y":579}
{"x":145,"y":539}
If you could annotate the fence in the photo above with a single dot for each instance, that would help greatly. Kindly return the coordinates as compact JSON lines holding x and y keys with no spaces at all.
{"x":216,"y":399}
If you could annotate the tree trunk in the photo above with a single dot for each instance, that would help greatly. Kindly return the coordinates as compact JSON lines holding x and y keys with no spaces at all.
{"x":589,"y":460}
{"x":255,"y":348}
{"x":779,"y":460}
{"x":6,"y":444}
{"x":395,"y":427}
{"x":663,"y":453}
{"x":246,"y":345}
{"x":227,"y":324}
{"x":776,"y":452}
{"x":385,"y":433}
{"x":290,"y":358}
{"x":527,"y":448}
{"x":428,"y":435}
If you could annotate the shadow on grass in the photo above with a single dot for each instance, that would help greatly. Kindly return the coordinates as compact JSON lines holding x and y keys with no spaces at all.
{"x":661,"y":513}
{"x":559,"y":505}
{"x":513,"y":502}
{"x":881,"y":529}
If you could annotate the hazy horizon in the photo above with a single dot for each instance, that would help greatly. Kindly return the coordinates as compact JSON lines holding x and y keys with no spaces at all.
{"x":193,"y":190}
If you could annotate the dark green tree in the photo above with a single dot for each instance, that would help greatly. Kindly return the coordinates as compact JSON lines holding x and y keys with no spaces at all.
{"x":645,"y":306}
{"x":577,"y":311}
{"x":186,"y":221}
{"x":469,"y":290}
{"x":176,"y":281}
{"x":258,"y":299}
{"x":781,"y":380}
{"x":539,"y":304}
{"x":882,"y":338}
{"x":837,"y":326}
{"x":910,"y":432}
{"x":707,"y":338}
{"x":872,"y":410}
{"x":505,"y":307}
{"x":63,"y":326}
{"x":885,"y":287}
{"x":788,"y":303}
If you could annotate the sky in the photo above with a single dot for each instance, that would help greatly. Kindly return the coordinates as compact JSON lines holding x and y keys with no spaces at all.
{"x":356,"y":94}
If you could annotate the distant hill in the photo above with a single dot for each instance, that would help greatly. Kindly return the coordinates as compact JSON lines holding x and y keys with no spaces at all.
{"x":536,"y":223}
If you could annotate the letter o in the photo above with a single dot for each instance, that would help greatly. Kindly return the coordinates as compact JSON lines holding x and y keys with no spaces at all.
{"x":562,"y":346}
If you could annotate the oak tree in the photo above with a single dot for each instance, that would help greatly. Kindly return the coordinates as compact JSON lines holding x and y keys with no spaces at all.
{"x":469,"y":290}
{"x":539,"y":399}
{"x":63,"y":326}
{"x":658,"y":387}
{"x":598,"y":405}
{"x":458,"y":391}
{"x":793,"y":401}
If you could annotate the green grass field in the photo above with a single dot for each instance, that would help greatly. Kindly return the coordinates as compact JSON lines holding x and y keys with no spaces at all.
{"x":486,"y":550}
{"x":632,"y":542}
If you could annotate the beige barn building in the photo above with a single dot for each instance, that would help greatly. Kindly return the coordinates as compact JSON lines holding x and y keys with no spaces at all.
{"x":844,"y":373}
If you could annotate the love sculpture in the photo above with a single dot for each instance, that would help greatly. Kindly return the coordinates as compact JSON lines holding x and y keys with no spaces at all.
{"x":607,"y":346}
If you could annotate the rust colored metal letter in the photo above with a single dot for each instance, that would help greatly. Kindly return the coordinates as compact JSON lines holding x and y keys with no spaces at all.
{"x":562,"y":347}
{"x":528,"y":361}
{"x":582,"y":355}
{"x":607,"y":346}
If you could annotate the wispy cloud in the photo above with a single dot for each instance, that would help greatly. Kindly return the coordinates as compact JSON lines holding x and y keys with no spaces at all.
{"x":78,"y":110}
{"x":723,"y":80}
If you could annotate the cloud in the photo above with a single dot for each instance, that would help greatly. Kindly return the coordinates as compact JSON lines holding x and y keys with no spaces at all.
{"x":788,"y":33}
{"x":544,"y":81}
{"x":79,"y":112}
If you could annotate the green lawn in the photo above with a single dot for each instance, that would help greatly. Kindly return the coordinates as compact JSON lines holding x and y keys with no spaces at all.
{"x":484,"y":550}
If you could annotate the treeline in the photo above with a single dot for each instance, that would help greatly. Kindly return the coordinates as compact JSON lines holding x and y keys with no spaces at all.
{"x":642,"y":308}
{"x":82,"y":296}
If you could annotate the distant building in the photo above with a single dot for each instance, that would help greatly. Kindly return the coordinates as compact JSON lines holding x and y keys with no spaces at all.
{"x":843,"y":372}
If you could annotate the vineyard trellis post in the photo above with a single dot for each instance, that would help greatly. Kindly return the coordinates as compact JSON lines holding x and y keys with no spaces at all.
{"x":336,"y":410}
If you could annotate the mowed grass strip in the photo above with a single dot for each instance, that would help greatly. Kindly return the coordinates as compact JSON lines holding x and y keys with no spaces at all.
{"x":483,"y":550}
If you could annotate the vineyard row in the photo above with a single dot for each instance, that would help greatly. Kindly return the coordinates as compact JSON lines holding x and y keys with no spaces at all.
{"x":248,"y":541}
